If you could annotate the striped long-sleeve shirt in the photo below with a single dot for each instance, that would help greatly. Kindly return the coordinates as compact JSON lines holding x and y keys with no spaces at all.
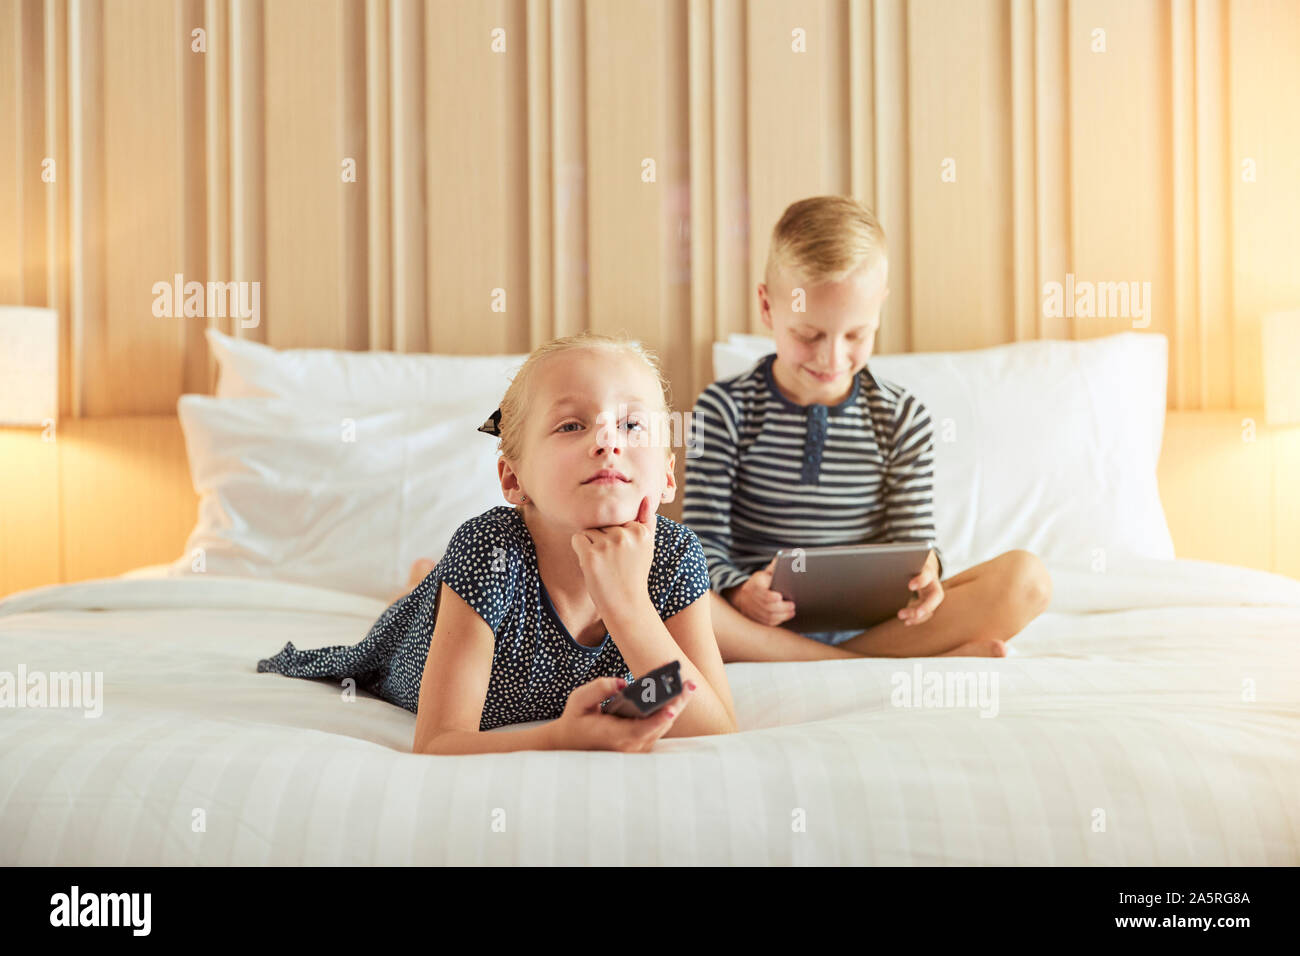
{"x":771,"y":474}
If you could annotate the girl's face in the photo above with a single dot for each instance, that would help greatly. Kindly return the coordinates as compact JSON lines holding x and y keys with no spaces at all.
{"x":588,"y":458}
{"x":820,"y":349}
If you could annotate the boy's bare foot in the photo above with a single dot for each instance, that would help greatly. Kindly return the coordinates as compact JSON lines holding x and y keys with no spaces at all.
{"x":419,"y":571}
{"x":985,"y":647}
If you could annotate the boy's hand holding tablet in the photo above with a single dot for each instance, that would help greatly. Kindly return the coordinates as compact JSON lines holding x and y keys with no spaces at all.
{"x":757,"y":601}
{"x":928,"y":596}
{"x":841,"y":588}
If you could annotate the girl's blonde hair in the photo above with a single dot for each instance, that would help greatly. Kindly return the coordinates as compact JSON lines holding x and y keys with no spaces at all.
{"x":824,"y":239}
{"x":516,"y":400}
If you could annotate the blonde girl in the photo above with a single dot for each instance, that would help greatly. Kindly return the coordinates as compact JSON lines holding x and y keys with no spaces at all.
{"x":540,"y":610}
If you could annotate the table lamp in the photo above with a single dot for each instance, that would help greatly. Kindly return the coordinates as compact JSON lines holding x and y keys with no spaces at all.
{"x":29,"y":365}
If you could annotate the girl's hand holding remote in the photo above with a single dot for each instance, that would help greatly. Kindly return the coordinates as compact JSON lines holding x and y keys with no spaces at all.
{"x":616,"y":562}
{"x":582,"y":726}
{"x":757,"y":601}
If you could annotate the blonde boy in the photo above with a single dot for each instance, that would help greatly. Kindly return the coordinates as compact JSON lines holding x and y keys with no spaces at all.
{"x":809,"y":448}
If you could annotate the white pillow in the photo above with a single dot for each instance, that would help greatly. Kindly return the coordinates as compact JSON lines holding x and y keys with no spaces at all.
{"x":284,"y":494}
{"x":738,"y":353}
{"x":359,"y":379}
{"x":1050,"y":446}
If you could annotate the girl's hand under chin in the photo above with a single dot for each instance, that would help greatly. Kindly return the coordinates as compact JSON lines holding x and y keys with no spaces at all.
{"x":615,"y":562}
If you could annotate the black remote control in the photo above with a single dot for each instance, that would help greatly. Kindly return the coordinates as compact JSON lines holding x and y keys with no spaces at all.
{"x":646,"y":695}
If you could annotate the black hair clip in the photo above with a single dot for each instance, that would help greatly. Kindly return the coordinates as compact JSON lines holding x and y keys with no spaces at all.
{"x":493,"y":425}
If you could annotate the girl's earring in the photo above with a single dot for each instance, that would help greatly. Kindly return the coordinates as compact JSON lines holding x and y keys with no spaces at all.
{"x":523,"y":498}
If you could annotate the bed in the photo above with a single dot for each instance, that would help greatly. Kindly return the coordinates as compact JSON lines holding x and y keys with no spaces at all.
{"x":1149,"y":717}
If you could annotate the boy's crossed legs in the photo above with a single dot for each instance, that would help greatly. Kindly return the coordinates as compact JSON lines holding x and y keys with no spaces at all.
{"x":982,"y":608}
{"x":420,"y":569}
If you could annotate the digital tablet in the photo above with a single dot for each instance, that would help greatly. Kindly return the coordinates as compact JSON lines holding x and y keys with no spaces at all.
{"x":846,"y":588}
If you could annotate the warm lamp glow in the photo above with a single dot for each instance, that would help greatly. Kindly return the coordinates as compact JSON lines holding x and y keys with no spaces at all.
{"x":1281,"y":349}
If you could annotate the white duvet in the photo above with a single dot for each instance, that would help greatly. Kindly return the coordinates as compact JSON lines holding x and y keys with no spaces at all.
{"x":1152,"y":716}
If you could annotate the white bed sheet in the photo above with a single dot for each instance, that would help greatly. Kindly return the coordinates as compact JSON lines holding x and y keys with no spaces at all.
{"x":1126,"y":698}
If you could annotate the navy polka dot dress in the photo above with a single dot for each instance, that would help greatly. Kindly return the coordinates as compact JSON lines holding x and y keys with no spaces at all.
{"x":491,"y":564}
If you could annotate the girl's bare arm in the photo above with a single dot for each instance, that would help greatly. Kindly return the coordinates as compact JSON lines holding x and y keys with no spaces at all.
{"x":454,"y":688}
{"x":692,"y":629}
{"x":646,"y":642}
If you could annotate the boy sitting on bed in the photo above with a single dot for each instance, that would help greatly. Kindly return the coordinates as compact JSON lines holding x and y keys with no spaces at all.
{"x":808,"y":448}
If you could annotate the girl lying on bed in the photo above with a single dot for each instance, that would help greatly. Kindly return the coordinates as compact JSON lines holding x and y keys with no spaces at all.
{"x":542,"y":610}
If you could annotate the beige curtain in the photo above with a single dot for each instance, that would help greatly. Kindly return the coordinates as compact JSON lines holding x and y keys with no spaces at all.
{"x":481,"y":175}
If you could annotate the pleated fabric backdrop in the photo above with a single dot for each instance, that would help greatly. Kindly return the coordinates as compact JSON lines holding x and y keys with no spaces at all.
{"x":474,"y":176}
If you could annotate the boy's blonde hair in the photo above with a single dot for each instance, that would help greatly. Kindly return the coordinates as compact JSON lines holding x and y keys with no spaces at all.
{"x":824,"y":239}
{"x":516,"y":400}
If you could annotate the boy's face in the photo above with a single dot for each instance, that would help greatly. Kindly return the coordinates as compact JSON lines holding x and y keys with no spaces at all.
{"x":819,"y":350}
{"x":574,"y":432}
